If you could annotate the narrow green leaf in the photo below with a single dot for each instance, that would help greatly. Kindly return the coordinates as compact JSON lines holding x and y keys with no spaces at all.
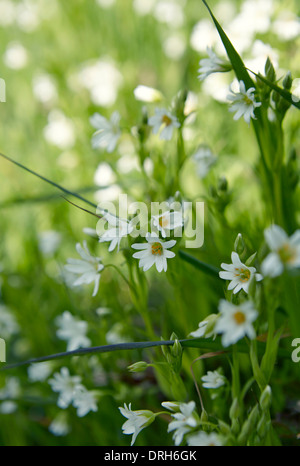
{"x":61,"y":188}
{"x":206,"y":268}
{"x":235,"y":59}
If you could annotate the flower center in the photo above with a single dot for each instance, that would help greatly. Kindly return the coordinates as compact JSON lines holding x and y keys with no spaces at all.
{"x":243,"y":274}
{"x":239,"y":317}
{"x":286,"y":253}
{"x":163,"y":221}
{"x":247,"y":100}
{"x":157,"y":249}
{"x":166,"y":120}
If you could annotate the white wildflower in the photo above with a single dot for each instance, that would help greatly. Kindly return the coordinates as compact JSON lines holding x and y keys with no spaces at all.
{"x":185,"y":420}
{"x":85,"y":401}
{"x":66,"y":385}
{"x":8,"y":323}
{"x":235,"y":322}
{"x":204,"y":439}
{"x":204,"y":159}
{"x":163,"y":118}
{"x":147,"y":94}
{"x":243,"y":102}
{"x":137,"y":421}
{"x":167,"y":221}
{"x":213,"y":379}
{"x":108,"y":131}
{"x":285,"y":251}
{"x":239,"y":274}
{"x":118,"y":229}
{"x":73,"y":331}
{"x":88,"y":267}
{"x":60,"y":426}
{"x":213,"y":64}
{"x":153,"y":252}
{"x":39,"y":372}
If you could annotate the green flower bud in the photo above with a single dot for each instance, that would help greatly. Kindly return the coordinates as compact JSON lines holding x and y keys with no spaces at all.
{"x":249,"y":425}
{"x":270,"y":71}
{"x":224,"y":428}
{"x":239,"y":244}
{"x":222,"y":184}
{"x":287,"y":81}
{"x":139,"y":366}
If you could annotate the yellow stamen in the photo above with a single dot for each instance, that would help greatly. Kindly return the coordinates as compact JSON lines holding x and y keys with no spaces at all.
{"x":157,"y":249}
{"x":287,"y":254}
{"x":166,"y":120}
{"x":239,"y":317}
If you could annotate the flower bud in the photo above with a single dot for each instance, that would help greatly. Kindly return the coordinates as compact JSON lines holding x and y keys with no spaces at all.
{"x":265,"y":398}
{"x":139,"y":366}
{"x":234,"y":411}
{"x":270,"y":71}
{"x":239,"y":244}
{"x":287,"y":81}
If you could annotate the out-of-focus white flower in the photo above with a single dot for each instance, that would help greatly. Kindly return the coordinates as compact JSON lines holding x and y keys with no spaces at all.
{"x":44,"y":88}
{"x":287,"y":25}
{"x":8,"y":407}
{"x":39,"y":372}
{"x":108,"y":194}
{"x":235,"y":322}
{"x":116,"y":334}
{"x":153,"y":252}
{"x":285,"y":251}
{"x":147,"y":94}
{"x":206,"y":327}
{"x":163,"y":118}
{"x":260,"y":52}
{"x":204,"y":439}
{"x":137,"y":421}
{"x":106,"y":3}
{"x":108,"y":131}
{"x":243,"y":103}
{"x":8,"y":12}
{"x":213,"y":64}
{"x":143,"y":8}
{"x":167,"y":221}
{"x":102,"y":79}
{"x":174,"y":46}
{"x":213,"y":379}
{"x":185,"y":420}
{"x":60,"y":426}
{"x":104,"y":175}
{"x":27,"y":16}
{"x":15,"y":56}
{"x":88,"y":267}
{"x":239,"y":274}
{"x":60,"y":130}
{"x":258,"y":14}
{"x":204,"y":159}
{"x":73,"y":331}
{"x":173,"y":406}
{"x":8,"y":323}
{"x":169,"y":12}
{"x":11,"y":389}
{"x":49,"y":242}
{"x":66,"y":385}
{"x":120,"y":228}
{"x":85,"y":401}
{"x":204,"y":35}
{"x":216,"y":86}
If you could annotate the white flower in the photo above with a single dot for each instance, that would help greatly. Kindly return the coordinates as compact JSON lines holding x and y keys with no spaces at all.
{"x":154,"y":251}
{"x":204,"y":159}
{"x":60,"y":130}
{"x":239,"y":274}
{"x":59,"y":426}
{"x":213,"y":379}
{"x":39,"y":372}
{"x":85,"y":401}
{"x":235,"y":322}
{"x":185,"y":420}
{"x":73,"y":331}
{"x":163,"y":118}
{"x":120,"y":228}
{"x":167,"y":221}
{"x":66,"y":386}
{"x":285,"y":251}
{"x":206,"y":327}
{"x":11,"y":390}
{"x":203,"y":439}
{"x":243,"y":102}
{"x":108,"y":131}
{"x":213,"y":64}
{"x":49,"y":242}
{"x":137,"y":421}
{"x":15,"y":56}
{"x":147,"y":94}
{"x":44,"y":88}
{"x":89,"y":267}
{"x":8,"y":323}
